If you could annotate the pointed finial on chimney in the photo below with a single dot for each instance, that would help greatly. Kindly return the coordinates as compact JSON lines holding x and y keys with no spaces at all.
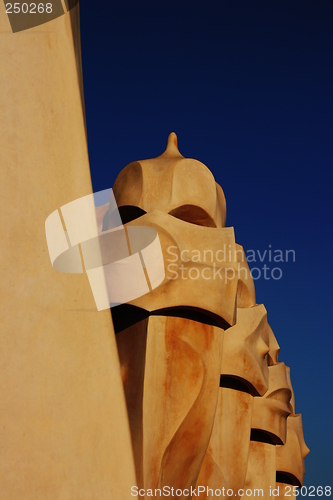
{"x":172,"y":147}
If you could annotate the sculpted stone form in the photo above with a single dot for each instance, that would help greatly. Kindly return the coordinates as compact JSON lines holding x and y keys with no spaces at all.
{"x":261,"y":468}
{"x":164,"y":184}
{"x":248,"y":349}
{"x":194,"y":276}
{"x":292,"y":399}
{"x":269,"y":427}
{"x":290,"y":456}
{"x":173,"y":410}
{"x":246,"y":295}
{"x":188,"y":212}
{"x":274,"y":350}
{"x":226,"y":458}
{"x":271,"y":411}
{"x":170,"y":369}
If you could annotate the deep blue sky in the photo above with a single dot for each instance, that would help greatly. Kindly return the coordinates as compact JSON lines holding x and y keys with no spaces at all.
{"x":247,"y":87}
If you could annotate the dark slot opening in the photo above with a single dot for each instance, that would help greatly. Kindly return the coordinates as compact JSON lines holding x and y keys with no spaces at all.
{"x":193,"y":215}
{"x":264,"y":437}
{"x":238,"y":384}
{"x":286,"y":478}
{"x":126,"y":315}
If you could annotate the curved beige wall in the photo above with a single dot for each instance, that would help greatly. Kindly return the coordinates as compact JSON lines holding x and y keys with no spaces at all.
{"x":64,"y":431}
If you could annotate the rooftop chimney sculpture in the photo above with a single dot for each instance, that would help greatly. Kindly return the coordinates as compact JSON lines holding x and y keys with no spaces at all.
{"x":209,"y":404}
